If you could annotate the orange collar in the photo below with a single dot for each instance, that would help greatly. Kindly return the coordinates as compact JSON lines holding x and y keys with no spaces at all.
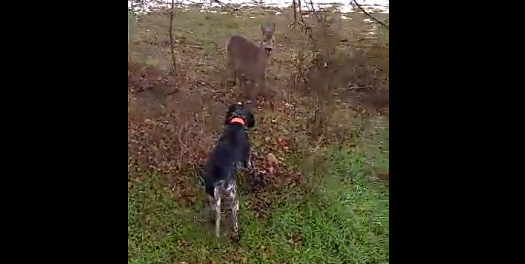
{"x":237,"y":120}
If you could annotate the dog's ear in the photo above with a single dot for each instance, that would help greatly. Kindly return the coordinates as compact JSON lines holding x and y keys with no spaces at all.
{"x":250,"y":119}
{"x":231,"y":108}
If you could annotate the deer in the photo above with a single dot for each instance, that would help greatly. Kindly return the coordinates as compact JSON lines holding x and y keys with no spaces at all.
{"x":248,"y":62}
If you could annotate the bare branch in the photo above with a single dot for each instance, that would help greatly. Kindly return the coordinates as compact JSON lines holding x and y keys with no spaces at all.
{"x":294,"y":12}
{"x":171,"y":36}
{"x":370,"y":16}
{"x":230,"y":7}
{"x":219,"y":2}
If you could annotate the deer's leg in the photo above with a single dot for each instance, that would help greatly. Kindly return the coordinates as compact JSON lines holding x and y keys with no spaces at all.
{"x":262,"y":85}
{"x":232,"y":73}
{"x":234,"y":77}
{"x":251,"y":92}
{"x":245,"y":88}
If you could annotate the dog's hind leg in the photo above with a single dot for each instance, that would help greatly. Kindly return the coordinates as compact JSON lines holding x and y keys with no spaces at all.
{"x":232,"y":192}
{"x":215,"y":203}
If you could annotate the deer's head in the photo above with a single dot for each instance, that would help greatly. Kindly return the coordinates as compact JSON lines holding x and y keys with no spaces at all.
{"x":267,"y":31}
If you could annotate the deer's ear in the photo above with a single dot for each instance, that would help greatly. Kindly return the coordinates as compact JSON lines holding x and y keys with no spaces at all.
{"x":231,"y":108}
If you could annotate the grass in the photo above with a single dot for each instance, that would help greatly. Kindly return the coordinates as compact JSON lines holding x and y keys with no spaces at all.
{"x":327,"y":196}
{"x":344,"y":220}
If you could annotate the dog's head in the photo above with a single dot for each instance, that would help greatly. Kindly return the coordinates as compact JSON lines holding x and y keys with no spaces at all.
{"x":238,"y":113}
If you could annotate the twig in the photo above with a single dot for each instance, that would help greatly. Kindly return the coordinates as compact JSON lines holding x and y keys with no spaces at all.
{"x":129,"y":36}
{"x":294,"y":13}
{"x":370,"y":16}
{"x":171,"y":36}
{"x":219,"y":2}
{"x":314,"y":12}
{"x":353,"y":88}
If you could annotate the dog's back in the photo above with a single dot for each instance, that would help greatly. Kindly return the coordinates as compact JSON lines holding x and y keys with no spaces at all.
{"x":226,"y":156}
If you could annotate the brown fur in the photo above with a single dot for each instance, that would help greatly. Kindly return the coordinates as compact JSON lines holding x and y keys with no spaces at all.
{"x":248,"y":62}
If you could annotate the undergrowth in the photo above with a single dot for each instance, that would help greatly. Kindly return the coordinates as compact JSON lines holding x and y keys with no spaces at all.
{"x":344,"y":220}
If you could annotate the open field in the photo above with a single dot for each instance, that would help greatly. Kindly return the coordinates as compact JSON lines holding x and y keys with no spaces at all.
{"x":320,"y":141}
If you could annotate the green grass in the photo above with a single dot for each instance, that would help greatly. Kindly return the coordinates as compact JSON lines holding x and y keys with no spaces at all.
{"x":344,"y":220}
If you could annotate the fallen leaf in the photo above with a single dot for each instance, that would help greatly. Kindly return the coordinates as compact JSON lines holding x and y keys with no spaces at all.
{"x":272,"y":159}
{"x":271,"y":170}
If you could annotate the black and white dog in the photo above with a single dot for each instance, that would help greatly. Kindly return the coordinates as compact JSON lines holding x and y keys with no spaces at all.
{"x":219,"y":172}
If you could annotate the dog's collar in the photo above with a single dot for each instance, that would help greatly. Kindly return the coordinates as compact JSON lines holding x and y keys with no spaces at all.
{"x":237,"y":120}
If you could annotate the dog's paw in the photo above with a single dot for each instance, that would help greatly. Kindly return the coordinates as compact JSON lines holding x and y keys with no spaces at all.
{"x":235,"y":237}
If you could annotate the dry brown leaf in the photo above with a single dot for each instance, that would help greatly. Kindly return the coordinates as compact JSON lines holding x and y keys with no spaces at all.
{"x":272,"y":159}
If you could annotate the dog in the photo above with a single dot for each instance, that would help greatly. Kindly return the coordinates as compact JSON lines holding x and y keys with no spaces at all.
{"x":232,"y":149}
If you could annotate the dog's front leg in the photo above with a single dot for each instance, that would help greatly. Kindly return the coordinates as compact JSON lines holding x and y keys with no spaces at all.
{"x":247,"y":161}
{"x":248,"y":165}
